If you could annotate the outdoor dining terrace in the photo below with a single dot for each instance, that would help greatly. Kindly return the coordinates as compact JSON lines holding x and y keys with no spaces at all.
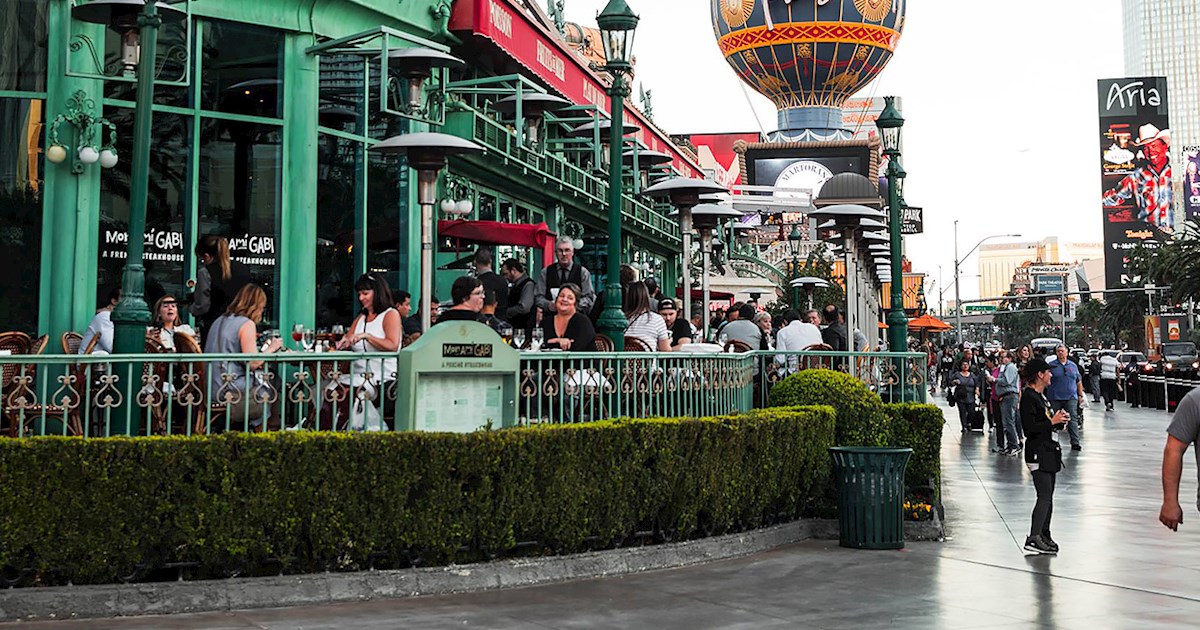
{"x":181,"y":393}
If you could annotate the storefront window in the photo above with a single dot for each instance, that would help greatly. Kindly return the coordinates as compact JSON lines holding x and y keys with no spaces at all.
{"x":241,"y":170}
{"x":166,"y":205}
{"x":339,"y":173}
{"x":242,"y":69}
{"x":342,"y":98}
{"x":23,"y":38}
{"x":20,"y":211}
{"x":387,"y":186}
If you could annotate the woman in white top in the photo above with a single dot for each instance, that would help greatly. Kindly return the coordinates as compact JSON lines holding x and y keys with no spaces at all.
{"x":166,"y":323}
{"x":376,"y":329}
{"x":644,"y":323}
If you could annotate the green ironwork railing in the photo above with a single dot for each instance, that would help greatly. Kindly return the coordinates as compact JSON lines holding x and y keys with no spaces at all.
{"x":173,"y":394}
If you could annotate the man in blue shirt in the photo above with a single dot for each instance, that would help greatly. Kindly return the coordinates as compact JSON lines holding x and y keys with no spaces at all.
{"x":1065,"y":391}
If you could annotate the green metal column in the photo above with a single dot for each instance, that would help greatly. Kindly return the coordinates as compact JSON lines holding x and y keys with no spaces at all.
{"x":297,"y":258}
{"x":612,"y":320}
{"x":70,"y":202}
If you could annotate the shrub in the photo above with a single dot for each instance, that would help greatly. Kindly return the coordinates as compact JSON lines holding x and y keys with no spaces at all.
{"x":92,"y":510}
{"x":860,"y":417}
{"x":919,"y":427}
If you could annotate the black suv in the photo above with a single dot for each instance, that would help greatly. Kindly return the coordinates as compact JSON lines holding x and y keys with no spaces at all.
{"x":1178,"y":359}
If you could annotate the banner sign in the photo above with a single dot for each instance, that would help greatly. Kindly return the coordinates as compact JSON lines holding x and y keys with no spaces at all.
{"x":1050,"y":283}
{"x":912,"y":220}
{"x":1135,"y":169}
{"x":1191,"y":183}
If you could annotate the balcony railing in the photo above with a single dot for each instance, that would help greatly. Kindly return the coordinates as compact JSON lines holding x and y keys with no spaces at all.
{"x":190,"y":394}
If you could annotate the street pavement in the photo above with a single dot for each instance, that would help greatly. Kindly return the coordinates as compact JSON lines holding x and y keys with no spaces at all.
{"x":1119,"y":568}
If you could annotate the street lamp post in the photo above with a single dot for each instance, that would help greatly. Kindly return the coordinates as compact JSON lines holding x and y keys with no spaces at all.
{"x":617,"y":24}
{"x":131,"y":315}
{"x":794,"y":240}
{"x":957,"y":262}
{"x":890,"y":124}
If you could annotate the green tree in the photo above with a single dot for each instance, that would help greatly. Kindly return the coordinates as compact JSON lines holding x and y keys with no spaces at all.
{"x":1123,"y":314}
{"x":1022,"y":319}
{"x":1087,"y":318}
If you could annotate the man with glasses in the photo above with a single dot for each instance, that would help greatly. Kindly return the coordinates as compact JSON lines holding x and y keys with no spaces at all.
{"x":467,"y":294}
{"x":564,"y":270}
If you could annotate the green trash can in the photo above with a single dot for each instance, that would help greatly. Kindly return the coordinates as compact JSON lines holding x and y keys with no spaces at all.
{"x":870,"y":483}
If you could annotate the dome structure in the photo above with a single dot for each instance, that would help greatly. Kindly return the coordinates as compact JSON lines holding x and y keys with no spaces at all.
{"x":808,"y":56}
{"x":848,"y":188}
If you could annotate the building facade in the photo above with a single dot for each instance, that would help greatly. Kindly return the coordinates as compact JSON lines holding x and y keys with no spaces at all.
{"x":262,"y":135}
{"x":999,"y":263}
{"x":1162,"y":38}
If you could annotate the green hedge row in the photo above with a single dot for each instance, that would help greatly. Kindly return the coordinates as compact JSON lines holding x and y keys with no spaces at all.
{"x":91,"y":511}
{"x":863,"y":419}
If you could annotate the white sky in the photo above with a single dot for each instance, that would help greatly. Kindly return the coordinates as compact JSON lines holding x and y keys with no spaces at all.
{"x":999,"y":102}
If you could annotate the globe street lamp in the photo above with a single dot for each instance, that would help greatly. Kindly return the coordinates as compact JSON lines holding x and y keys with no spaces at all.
{"x":137,"y":21}
{"x":684,"y":193}
{"x":890,"y":124}
{"x":426,"y":153}
{"x":617,"y":24}
{"x":794,"y":240}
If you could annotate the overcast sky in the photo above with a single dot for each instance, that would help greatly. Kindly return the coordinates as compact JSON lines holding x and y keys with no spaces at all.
{"x":999,"y":102}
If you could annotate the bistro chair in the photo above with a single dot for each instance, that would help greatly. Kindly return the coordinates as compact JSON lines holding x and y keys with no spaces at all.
{"x":15,"y":343}
{"x":735,"y":345}
{"x":70,"y":342}
{"x":156,"y":394}
{"x":195,"y":378}
{"x":819,"y":363}
{"x":20,"y":400}
{"x":634,"y":344}
{"x":603,"y":343}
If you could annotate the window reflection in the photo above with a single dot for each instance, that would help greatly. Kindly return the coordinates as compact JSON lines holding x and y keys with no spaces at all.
{"x":338,"y":194}
{"x":23,"y":37}
{"x":21,"y":165}
{"x":165,"y":206}
{"x":242,"y":69}
{"x":387,"y":187}
{"x":241,"y":167}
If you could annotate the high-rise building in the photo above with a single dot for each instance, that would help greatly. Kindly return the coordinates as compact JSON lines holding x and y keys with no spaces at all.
{"x":998,"y":262}
{"x":1162,"y":39}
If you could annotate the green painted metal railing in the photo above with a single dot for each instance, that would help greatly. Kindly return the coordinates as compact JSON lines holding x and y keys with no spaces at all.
{"x":207,"y":393}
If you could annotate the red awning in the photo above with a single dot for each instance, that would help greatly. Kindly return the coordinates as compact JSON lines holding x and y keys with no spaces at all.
{"x":548,"y":57}
{"x":698,"y":295}
{"x":496,"y":233}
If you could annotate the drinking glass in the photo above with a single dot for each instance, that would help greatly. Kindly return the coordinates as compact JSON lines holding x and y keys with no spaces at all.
{"x":308,"y":340}
{"x":537,"y":339}
{"x":297,"y":332}
{"x":506,"y":333}
{"x":519,"y":339}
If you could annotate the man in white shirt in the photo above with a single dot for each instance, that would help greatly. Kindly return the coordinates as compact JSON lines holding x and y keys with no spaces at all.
{"x":101,"y":327}
{"x":796,"y":334}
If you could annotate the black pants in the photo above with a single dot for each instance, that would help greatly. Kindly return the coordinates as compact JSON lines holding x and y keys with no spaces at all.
{"x":1043,"y":482}
{"x":1108,"y":389}
{"x":965,"y":409}
{"x":1133,"y":393}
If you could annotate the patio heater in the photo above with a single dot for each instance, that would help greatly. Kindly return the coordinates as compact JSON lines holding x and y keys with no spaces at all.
{"x":706,"y":217}
{"x":416,"y":66}
{"x":530,"y":108}
{"x":426,"y":153}
{"x":643,"y":162}
{"x":684,"y":193}
{"x":848,"y":220}
{"x":137,"y":21}
{"x":589,"y":130}
{"x":809,"y":284}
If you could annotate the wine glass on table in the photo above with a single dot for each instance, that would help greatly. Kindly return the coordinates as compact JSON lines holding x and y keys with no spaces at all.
{"x":297,"y":332}
{"x":536,"y":342}
{"x":506,"y":333}
{"x":309,"y":339}
{"x":519,"y":339}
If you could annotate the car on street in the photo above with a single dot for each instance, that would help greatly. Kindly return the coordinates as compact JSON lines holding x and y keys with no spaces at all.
{"x":1044,"y":346}
{"x":1177,"y":359}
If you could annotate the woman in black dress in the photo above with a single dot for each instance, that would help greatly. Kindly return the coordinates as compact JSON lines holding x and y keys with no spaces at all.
{"x":1043,"y":455}
{"x":569,"y":329}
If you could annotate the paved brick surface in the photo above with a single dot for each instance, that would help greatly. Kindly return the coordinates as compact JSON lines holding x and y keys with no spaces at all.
{"x":1118,"y":569}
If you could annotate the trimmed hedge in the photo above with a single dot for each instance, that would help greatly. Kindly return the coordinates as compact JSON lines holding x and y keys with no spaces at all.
{"x":919,"y":427}
{"x":94,"y":510}
{"x":860,"y":417}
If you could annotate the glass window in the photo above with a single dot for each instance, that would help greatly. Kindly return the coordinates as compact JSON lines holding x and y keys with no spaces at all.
{"x":342,"y":100}
{"x":172,"y":55}
{"x":339,"y":173}
{"x":387,"y":191}
{"x":20,"y":211}
{"x":166,"y":205}
{"x":241,"y":170}
{"x":23,"y":37}
{"x":242,"y":69}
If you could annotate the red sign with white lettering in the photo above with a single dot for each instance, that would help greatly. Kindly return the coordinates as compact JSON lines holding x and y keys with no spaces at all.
{"x":510,"y":28}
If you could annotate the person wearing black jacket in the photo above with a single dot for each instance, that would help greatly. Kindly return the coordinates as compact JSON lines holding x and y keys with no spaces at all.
{"x":491,"y":280}
{"x":834,"y":334}
{"x":217,"y":281}
{"x":521,"y":297}
{"x":1043,"y":455}
{"x":1133,"y":393}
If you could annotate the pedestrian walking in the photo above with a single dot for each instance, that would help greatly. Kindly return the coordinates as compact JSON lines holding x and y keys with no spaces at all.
{"x":1133,"y":392}
{"x":1066,"y":391}
{"x":1093,"y":371}
{"x":991,"y":370}
{"x":1043,"y":455}
{"x":1109,"y":366}
{"x":966,"y":394}
{"x":1008,"y":390}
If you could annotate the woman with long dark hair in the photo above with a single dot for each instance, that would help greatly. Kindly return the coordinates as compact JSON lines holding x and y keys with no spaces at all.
{"x":218,"y":279}
{"x":1043,"y":455}
{"x":645,"y":324}
{"x":377,"y":328}
{"x":567,"y":328}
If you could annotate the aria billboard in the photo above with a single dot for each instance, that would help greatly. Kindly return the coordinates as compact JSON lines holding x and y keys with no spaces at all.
{"x":1135,"y":170}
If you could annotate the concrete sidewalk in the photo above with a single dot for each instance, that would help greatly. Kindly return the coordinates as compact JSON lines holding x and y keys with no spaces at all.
{"x":1119,"y":568}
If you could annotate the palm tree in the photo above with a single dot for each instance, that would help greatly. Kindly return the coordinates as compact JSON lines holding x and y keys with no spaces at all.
{"x":1087,"y":316}
{"x":1124,"y":314}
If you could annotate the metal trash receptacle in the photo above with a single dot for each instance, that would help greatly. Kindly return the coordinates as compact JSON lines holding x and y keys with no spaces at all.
{"x":870,"y":486}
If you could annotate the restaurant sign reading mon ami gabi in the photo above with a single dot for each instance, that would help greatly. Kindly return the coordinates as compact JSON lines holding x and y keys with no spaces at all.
{"x":514,"y":31}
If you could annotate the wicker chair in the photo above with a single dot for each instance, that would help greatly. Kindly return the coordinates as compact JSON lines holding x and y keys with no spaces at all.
{"x":603,"y":343}
{"x":735,"y":345}
{"x":634,"y":344}
{"x":158,"y":411}
{"x":819,"y":363}
{"x":20,"y":399}
{"x":186,"y":344}
{"x":70,"y":342}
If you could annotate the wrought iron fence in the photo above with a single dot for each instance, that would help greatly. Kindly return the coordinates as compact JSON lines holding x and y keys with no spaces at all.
{"x":188,"y":394}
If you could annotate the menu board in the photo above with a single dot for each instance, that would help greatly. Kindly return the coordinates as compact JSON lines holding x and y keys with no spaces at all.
{"x":459,"y":403}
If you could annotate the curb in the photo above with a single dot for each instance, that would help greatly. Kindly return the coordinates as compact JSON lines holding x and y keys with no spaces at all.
{"x":163,"y":598}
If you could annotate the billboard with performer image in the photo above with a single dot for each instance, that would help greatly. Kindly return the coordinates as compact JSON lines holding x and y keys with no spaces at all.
{"x":1191,"y":183}
{"x":1135,"y":171}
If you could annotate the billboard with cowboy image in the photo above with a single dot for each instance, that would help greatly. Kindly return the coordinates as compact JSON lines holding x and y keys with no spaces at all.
{"x":1135,"y":171}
